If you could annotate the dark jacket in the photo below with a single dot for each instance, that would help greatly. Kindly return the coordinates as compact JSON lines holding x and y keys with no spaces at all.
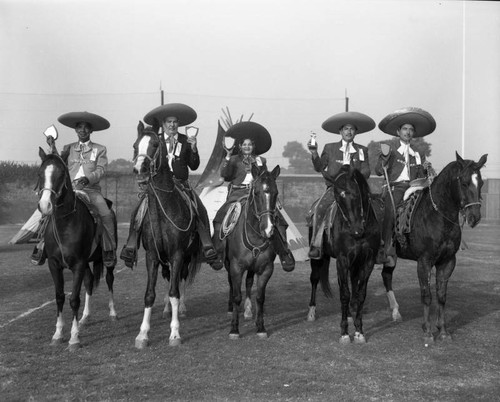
{"x":184,"y":159}
{"x":396,"y":164}
{"x":235,"y":171}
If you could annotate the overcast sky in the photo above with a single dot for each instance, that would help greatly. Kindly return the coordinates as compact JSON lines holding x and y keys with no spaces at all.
{"x":289,"y":62}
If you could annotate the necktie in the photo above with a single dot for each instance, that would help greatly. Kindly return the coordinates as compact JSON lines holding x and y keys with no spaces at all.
{"x":347,"y":156}
{"x":407,"y":160}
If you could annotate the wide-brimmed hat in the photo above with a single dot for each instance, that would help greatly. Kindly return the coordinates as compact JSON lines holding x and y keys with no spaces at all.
{"x":421,"y":120}
{"x":362,"y":122}
{"x":184,"y":113}
{"x":71,"y":119}
{"x":253,"y":131}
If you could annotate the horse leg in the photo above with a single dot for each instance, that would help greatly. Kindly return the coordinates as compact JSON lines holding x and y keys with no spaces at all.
{"x":174,"y":297}
{"x":424,"y":279}
{"x":58,"y":279}
{"x":316,"y":266}
{"x":343,"y":281}
{"x":230,"y":298}
{"x":359,"y":297}
{"x":80,"y":270}
{"x":260,"y":298}
{"x":391,"y":298}
{"x":88,"y":280}
{"x":165,"y":272}
{"x":110,"y":279}
{"x":236,"y":278}
{"x":443,"y":274}
{"x":142,"y":340}
{"x":182,"y":300}
{"x":248,"y":295}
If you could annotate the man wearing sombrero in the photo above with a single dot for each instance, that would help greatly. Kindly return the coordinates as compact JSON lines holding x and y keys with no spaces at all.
{"x":251,"y":141}
{"x":87,"y":162}
{"x":401,"y":164}
{"x":333,"y":157}
{"x":182,"y":154}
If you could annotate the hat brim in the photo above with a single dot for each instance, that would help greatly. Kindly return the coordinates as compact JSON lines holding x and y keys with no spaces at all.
{"x":253,"y":131}
{"x":421,"y":120}
{"x":362,"y":122}
{"x":184,"y":113}
{"x":71,"y":119}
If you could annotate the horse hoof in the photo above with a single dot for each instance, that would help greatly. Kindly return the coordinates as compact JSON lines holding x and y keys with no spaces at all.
{"x":262,"y":335}
{"x":359,"y":338}
{"x":234,"y":337}
{"x":56,"y":341}
{"x":428,"y":340}
{"x":345,"y":340}
{"x":444,"y":338}
{"x":113,"y":318}
{"x":166,"y":314}
{"x":174,"y":342}
{"x":311,"y":314}
{"x":396,"y":317}
{"x":73,"y":347}
{"x":141,"y":343}
{"x":83,"y":321}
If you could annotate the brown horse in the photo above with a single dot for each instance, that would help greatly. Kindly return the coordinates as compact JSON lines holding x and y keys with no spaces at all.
{"x":248,"y":247}
{"x":435,"y":234}
{"x":168,"y":231}
{"x":69,"y":242}
{"x":353,"y":239}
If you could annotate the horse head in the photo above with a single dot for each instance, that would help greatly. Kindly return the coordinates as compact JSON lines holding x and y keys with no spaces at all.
{"x":352,"y":195}
{"x":149,"y":152}
{"x":264,"y":195}
{"x":53,"y":181}
{"x":469,"y":188}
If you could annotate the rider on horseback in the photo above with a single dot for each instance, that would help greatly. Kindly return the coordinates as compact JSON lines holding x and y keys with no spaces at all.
{"x":87,"y":163}
{"x":334,"y":156}
{"x":251,"y":140}
{"x":182,"y":154}
{"x":401,"y":165}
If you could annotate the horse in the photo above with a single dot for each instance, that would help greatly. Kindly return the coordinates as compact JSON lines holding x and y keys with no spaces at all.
{"x":169,"y":234}
{"x":70,"y":242}
{"x":353,"y":239}
{"x":435,"y":234}
{"x":249,"y":247}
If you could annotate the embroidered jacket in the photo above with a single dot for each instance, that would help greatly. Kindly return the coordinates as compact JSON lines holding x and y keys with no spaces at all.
{"x":184,"y":157}
{"x":332,"y":159}
{"x":396,"y":164}
{"x":235,"y":170}
{"x":92,"y":159}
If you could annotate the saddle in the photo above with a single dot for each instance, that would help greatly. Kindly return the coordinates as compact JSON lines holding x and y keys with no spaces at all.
{"x":404,"y":215}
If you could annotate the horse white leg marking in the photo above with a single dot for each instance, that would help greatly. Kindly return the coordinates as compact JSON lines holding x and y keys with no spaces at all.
{"x":44,"y":202}
{"x":175,"y":338}
{"x":311,"y":315}
{"x":247,"y":309}
{"x":86,"y":310}
{"x":111,"y":305}
{"x":394,"y":306}
{"x":345,"y":339}
{"x":74,"y":340}
{"x":182,"y":300}
{"x":58,"y":336}
{"x":142,"y":339}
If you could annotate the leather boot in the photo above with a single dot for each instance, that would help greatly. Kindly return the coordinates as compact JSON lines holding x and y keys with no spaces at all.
{"x":129,"y":251}
{"x":38,"y":256}
{"x":217,"y":263}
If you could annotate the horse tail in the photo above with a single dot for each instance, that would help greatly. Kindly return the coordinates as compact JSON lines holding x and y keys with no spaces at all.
{"x":97,"y":272}
{"x":195,"y":261}
{"x":324,"y":280}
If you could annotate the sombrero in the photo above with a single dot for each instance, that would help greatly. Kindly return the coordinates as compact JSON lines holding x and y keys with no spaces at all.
{"x":71,"y":119}
{"x":362,"y":122}
{"x":253,"y":131}
{"x":184,"y":113}
{"x":423,"y":122}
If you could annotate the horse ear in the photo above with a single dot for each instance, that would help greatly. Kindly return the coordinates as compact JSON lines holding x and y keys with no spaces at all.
{"x":481,"y":161}
{"x":276,"y":172}
{"x":140,"y":128}
{"x":41,"y":153}
{"x":459,"y":158}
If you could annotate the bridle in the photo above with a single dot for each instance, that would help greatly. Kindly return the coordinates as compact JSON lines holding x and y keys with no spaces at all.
{"x":155,"y":161}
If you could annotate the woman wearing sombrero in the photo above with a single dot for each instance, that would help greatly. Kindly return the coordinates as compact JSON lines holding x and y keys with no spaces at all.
{"x":251,"y":141}
{"x":402,"y":164}
{"x":333,"y":157}
{"x":182,"y":154}
{"x":87,"y":162}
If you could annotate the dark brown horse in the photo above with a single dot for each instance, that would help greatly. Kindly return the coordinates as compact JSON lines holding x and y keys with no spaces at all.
{"x":70,"y":242}
{"x":436,"y":233}
{"x":353,"y":239}
{"x":249,"y":246}
{"x":168,"y":231}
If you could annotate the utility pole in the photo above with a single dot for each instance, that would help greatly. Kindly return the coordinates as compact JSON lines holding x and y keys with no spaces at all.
{"x":346,"y":101}
{"x":161,"y":94}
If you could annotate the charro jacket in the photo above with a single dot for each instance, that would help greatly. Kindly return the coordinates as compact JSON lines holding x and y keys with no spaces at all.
{"x":184,"y":158}
{"x":235,"y":170}
{"x":396,"y":164}
{"x":332,"y":159}
{"x":91,"y":157}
